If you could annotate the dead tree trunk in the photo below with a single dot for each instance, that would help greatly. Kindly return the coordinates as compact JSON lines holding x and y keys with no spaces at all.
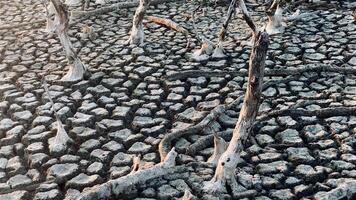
{"x":77,"y":70}
{"x":224,"y":173}
{"x":219,"y":50}
{"x":137,"y":35}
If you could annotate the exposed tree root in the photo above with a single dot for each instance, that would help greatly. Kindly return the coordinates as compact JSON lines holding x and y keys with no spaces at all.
{"x":166,"y":142}
{"x":111,"y":8}
{"x":168,"y":23}
{"x":118,"y":187}
{"x":268,"y":72}
{"x":320,"y":113}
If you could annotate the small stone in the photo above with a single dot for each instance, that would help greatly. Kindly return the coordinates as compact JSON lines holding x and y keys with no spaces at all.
{"x":63,"y":172}
{"x":139,"y":148}
{"x":191,"y":115}
{"x":167,"y":192}
{"x":95,"y":168}
{"x":284,"y":194}
{"x":19,"y":181}
{"x":51,"y":194}
{"x":299,"y":155}
{"x":289,"y":137}
{"x":100,"y":155}
{"x":82,"y":180}
{"x":17,"y":195}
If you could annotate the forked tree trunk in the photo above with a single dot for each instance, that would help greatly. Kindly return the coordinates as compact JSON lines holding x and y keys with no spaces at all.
{"x":225,"y":171}
{"x":275,"y":18}
{"x":77,"y":69}
{"x":137,"y":35}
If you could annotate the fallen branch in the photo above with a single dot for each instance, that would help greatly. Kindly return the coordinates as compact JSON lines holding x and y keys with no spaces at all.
{"x":118,"y":187}
{"x":320,"y":113}
{"x":268,"y":72}
{"x":168,"y":23}
{"x":113,"y":7}
{"x":166,"y":142}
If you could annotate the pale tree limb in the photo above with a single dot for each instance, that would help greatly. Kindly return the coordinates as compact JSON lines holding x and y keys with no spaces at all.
{"x":168,"y":23}
{"x":118,"y":187}
{"x":59,"y":144}
{"x":219,"y":50}
{"x":268,"y":72}
{"x":225,"y":171}
{"x":77,"y":69}
{"x":137,"y":35}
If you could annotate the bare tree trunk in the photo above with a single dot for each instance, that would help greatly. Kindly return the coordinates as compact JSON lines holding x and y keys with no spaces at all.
{"x":137,"y":35}
{"x":229,"y":159}
{"x":77,"y":69}
{"x":225,"y":171}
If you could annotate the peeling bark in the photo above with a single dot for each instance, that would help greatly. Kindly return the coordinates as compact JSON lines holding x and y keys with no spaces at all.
{"x":225,"y":170}
{"x":77,"y":70}
{"x":120,"y":186}
{"x":137,"y":35}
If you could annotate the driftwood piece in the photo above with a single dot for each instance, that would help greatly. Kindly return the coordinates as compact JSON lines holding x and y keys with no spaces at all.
{"x":168,"y":23}
{"x":118,"y":187}
{"x":268,"y":72}
{"x":77,"y":69}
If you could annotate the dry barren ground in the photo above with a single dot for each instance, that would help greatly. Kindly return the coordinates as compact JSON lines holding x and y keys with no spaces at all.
{"x":127,"y":105}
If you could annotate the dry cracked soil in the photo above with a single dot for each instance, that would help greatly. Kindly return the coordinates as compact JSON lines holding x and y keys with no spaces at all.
{"x":127,"y":106}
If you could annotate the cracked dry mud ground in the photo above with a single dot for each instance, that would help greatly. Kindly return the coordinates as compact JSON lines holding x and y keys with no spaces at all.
{"x":126,"y":106}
